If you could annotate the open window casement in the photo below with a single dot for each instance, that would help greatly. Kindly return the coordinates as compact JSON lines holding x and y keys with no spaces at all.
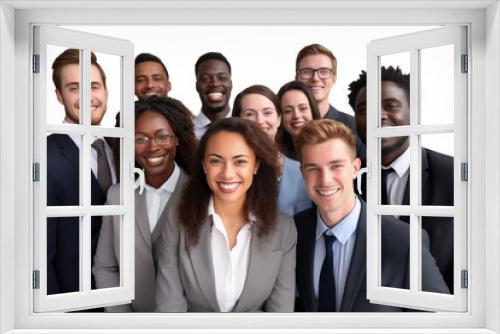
{"x":438,"y":116}
{"x":116,"y":58}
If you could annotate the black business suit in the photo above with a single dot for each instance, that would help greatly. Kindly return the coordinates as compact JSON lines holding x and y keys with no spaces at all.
{"x":395,"y":264}
{"x":63,"y":232}
{"x":437,"y":189}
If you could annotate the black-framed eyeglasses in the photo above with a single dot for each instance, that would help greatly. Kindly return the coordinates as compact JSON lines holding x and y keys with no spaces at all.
{"x":307,"y":73}
{"x":160,"y":139}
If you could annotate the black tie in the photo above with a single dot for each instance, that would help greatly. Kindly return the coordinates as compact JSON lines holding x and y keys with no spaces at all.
{"x":103,"y":171}
{"x":326,"y":293}
{"x":383,"y":183}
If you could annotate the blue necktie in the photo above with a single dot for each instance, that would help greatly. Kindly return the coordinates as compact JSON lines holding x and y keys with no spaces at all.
{"x":326,"y":295}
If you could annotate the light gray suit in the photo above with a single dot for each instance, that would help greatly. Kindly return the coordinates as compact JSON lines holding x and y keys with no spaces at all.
{"x":106,"y":267}
{"x":185,"y":279}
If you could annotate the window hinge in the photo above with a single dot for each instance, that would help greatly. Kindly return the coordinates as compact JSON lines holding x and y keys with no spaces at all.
{"x":36,"y":172}
{"x":36,"y":63}
{"x":36,"y":279}
{"x":465,"y":64}
{"x":464,"y":171}
{"x":464,"y":284}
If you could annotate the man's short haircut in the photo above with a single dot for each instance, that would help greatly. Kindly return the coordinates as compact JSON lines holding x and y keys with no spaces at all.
{"x":69,"y":57}
{"x":387,"y":74}
{"x":322,"y":130}
{"x":316,"y":49}
{"x":211,"y":56}
{"x":144,"y":57}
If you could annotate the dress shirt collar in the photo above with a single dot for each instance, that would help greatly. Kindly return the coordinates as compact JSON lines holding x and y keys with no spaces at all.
{"x":344,"y":229}
{"x":202,"y":121}
{"x":211,"y":212}
{"x":169,"y":185}
{"x":401,"y":164}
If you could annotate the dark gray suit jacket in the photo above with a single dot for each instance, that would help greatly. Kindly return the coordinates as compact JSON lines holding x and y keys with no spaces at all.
{"x":106,"y":267}
{"x":395,"y":264}
{"x":185,"y":280}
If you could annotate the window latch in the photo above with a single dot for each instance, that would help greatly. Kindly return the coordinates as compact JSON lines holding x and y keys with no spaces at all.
{"x":36,"y":279}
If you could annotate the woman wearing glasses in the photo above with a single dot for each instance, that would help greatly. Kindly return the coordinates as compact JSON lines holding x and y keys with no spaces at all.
{"x":227,"y":248}
{"x":299,"y":107}
{"x":164,"y":146}
{"x":259,"y":104}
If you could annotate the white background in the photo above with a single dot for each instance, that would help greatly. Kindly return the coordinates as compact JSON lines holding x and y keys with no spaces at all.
{"x":263,"y":55}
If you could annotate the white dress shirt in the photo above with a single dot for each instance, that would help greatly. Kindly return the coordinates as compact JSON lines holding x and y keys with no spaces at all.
{"x":157,"y":199}
{"x":397,"y":180}
{"x":230,"y":265}
{"x":93,"y":161}
{"x":201,"y":123}
{"x":342,"y":248}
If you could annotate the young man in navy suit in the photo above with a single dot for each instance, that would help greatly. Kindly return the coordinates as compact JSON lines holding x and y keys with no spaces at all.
{"x":63,"y":172}
{"x":331,"y":243}
{"x":437,"y":168}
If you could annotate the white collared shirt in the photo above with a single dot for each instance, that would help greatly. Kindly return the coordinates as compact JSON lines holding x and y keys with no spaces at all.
{"x":397,"y":180}
{"x":201,"y":123}
{"x":230,"y":265}
{"x":93,"y":161}
{"x":157,"y":199}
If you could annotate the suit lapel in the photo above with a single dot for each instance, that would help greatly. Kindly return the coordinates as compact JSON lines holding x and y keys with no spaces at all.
{"x":141,"y":218}
{"x":308,"y":259}
{"x":425,"y":179}
{"x":357,"y":268}
{"x":201,"y":261}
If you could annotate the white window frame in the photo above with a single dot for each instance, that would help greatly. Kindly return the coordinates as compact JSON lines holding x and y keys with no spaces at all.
{"x":85,"y":298}
{"x":16,"y":19}
{"x":412,"y":44}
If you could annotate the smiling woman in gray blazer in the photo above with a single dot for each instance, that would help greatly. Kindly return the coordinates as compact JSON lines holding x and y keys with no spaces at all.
{"x":227,"y":248}
{"x":164,"y":146}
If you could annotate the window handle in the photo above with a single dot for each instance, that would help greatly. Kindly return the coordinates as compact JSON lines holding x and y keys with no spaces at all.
{"x":360,"y":173}
{"x":139,"y":182}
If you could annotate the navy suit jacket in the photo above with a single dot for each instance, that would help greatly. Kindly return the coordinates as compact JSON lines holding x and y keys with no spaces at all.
{"x":63,"y":240}
{"x":437,"y":189}
{"x":395,"y":263}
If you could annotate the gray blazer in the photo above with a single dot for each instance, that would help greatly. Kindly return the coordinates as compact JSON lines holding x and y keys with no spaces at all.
{"x":106,"y":267}
{"x":185,"y":279}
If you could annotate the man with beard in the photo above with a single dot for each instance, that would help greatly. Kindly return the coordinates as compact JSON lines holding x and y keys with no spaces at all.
{"x":151,"y":77}
{"x":63,"y":171}
{"x":214,"y":85}
{"x":437,"y":168}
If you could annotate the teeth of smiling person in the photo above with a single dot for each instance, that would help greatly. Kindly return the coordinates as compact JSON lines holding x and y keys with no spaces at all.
{"x":216,"y":96}
{"x":229,"y":186}
{"x":328,"y":192}
{"x":155,"y":160}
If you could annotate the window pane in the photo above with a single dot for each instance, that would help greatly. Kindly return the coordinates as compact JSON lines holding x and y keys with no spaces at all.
{"x":106,"y":160}
{"x":437,"y":169}
{"x":63,"y":95}
{"x":106,"y":254}
{"x":395,"y":172}
{"x":63,"y":169}
{"x":395,"y":242}
{"x":63,"y":254}
{"x":440,"y":232}
{"x":437,"y":85}
{"x":106,"y":90}
{"x":395,"y":90}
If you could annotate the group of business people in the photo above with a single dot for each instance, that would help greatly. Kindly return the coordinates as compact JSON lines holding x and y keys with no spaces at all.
{"x":214,"y":227}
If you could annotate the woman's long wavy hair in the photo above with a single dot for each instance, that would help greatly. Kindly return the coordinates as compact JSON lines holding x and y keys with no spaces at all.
{"x":262,"y":195}
{"x":283,"y":137}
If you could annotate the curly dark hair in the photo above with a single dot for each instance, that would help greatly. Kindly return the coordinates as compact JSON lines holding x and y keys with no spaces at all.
{"x":179,"y":118}
{"x":262,"y":195}
{"x":387,"y":74}
{"x":283,"y":138}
